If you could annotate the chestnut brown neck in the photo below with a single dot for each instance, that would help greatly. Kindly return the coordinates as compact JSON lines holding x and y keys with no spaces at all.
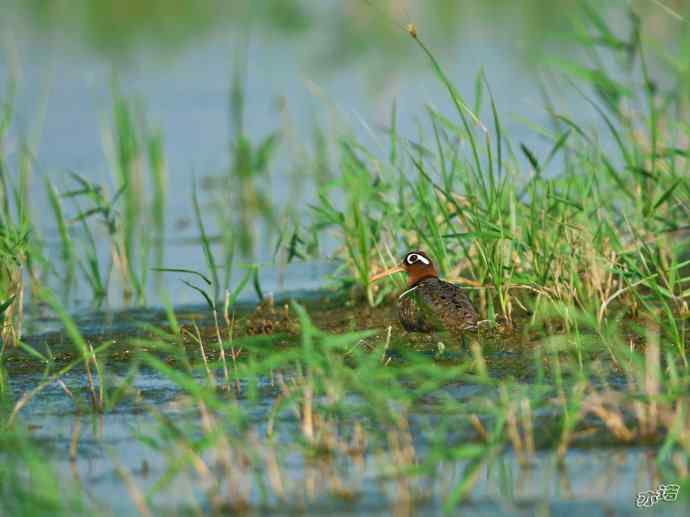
{"x":418,"y":272}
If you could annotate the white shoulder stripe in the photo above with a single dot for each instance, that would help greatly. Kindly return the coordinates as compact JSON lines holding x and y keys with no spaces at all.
{"x":407,"y":291}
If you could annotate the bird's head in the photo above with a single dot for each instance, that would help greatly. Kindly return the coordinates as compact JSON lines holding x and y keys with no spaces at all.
{"x":416,"y":264}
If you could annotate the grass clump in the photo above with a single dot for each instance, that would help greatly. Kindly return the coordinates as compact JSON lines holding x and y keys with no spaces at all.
{"x":592,"y":227}
{"x":19,"y":250}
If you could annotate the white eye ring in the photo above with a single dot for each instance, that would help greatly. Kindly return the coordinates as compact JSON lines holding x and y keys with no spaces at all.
{"x":414,"y":257}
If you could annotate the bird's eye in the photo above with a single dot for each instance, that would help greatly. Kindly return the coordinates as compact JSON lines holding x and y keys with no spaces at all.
{"x":415,"y":257}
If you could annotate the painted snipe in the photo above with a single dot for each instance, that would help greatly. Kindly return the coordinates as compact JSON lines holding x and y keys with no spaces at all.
{"x":429,"y":304}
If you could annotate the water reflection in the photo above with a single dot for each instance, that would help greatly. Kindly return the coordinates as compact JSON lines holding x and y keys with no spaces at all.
{"x":110,"y":455}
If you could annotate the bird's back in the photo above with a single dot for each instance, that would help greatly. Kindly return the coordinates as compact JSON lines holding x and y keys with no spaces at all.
{"x":433,"y":304}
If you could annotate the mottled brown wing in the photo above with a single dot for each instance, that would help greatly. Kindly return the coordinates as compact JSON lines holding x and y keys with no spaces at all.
{"x":450,"y":304}
{"x":416,"y":315}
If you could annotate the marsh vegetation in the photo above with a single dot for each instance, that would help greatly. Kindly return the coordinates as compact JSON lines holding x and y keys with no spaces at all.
{"x":575,"y":396}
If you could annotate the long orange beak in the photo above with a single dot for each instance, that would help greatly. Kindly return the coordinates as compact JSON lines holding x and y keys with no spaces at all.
{"x":383,"y":274}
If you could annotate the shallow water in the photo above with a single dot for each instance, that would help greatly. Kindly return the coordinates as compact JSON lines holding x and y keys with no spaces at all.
{"x":596,"y":478}
{"x":298,"y":280}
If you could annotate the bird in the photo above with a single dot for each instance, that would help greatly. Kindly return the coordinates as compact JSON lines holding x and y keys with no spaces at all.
{"x":430,"y":304}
